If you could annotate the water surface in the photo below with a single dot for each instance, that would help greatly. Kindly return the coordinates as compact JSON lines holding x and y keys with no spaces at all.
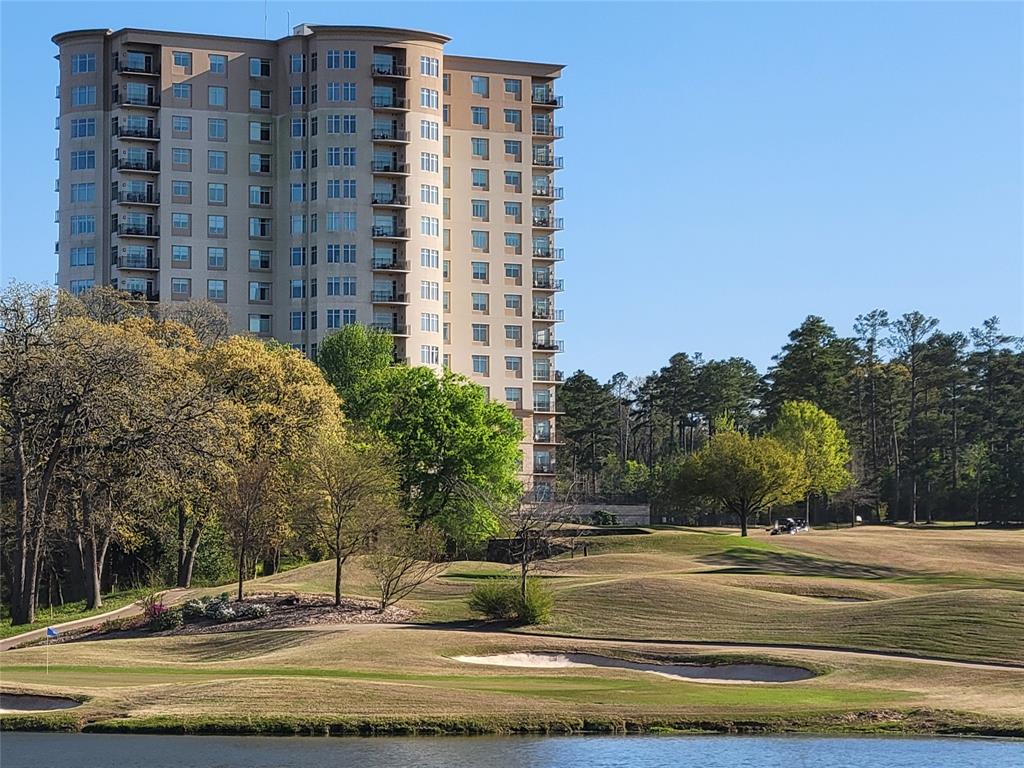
{"x":31,"y":750}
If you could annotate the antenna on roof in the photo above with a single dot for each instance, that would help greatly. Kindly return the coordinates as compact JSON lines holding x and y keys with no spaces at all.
{"x":266,"y":4}
{"x":288,"y":29}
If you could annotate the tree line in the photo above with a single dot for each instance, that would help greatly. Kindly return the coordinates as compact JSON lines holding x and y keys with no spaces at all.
{"x":934,"y":419}
{"x":152,"y":447}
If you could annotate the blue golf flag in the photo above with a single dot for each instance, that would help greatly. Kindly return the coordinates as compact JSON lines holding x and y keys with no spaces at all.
{"x":51,"y":632}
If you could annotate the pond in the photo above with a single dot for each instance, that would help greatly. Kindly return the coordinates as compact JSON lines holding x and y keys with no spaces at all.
{"x":30,"y":750}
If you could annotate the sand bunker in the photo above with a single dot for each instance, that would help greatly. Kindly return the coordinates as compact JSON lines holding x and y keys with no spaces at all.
{"x":718,"y":673}
{"x":20,"y":702}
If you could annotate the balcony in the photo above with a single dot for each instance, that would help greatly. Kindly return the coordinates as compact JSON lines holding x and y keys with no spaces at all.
{"x":551,"y":254}
{"x":150,"y":101}
{"x":388,"y":297}
{"x":548,"y":131}
{"x":150,"y":294}
{"x":138,"y":230}
{"x":393,"y":328}
{"x":545,"y":99}
{"x":147,"y":68}
{"x":137,"y":198}
{"x":551,"y":193}
{"x":147,"y":166}
{"x":135,"y":262}
{"x":547,"y":283}
{"x":549,"y":345}
{"x":543,"y":467}
{"x":390,"y":135}
{"x":550,"y":314}
{"x":150,"y":133}
{"x":548,"y":376}
{"x":384,"y":200}
{"x":389,"y":233}
{"x":548,"y":161}
{"x":390,"y":265}
{"x":393,"y":167}
{"x":395,"y":103}
{"x":548,"y":222}
{"x":545,"y":406}
{"x":546,"y":437}
{"x":392,"y":70}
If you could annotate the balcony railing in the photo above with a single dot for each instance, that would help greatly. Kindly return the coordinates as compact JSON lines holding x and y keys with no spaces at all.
{"x":136,"y":69}
{"x":548,"y":222}
{"x":150,"y":294}
{"x":393,"y":328}
{"x":549,"y":131}
{"x":149,"y":100}
{"x":549,"y":161}
{"x":555,"y":254}
{"x":552,"y":192}
{"x":137,"y":262}
{"x":380,"y":198}
{"x":554,"y":315}
{"x":127,"y":164}
{"x":389,"y":102}
{"x":543,"y":467}
{"x":389,"y":166}
{"x":548,"y":283}
{"x":389,"y":297}
{"x":130,"y":132}
{"x":390,"y":134}
{"x":547,"y":437}
{"x":393,"y":70}
{"x":140,"y":198}
{"x":138,"y":230}
{"x":544,"y":406}
{"x":391,"y":265}
{"x":548,"y":375}
{"x":390,"y":233}
{"x":546,"y":99}
{"x":549,"y":345}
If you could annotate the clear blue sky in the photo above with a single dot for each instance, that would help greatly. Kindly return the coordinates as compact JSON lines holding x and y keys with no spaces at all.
{"x":730,"y":168}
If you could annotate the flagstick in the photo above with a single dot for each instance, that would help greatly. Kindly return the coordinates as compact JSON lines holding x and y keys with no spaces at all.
{"x":47,"y":652}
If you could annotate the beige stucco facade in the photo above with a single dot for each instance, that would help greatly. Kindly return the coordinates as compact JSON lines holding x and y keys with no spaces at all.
{"x":337,"y":175}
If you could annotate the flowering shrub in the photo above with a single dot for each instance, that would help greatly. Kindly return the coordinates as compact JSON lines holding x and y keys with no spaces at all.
{"x":248,"y":611}
{"x":168,"y":618}
{"x":193,"y":609}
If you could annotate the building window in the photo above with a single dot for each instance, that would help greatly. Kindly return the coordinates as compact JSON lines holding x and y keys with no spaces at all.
{"x":514,"y":181}
{"x":480,"y":116}
{"x":259,"y":291}
{"x":181,"y":158}
{"x":217,"y":290}
{"x":217,"y":95}
{"x":216,"y":226}
{"x":481,"y":333}
{"x":514,"y":241}
{"x":181,"y":254}
{"x":514,"y":271}
{"x":83,"y":160}
{"x":83,"y":257}
{"x":348,"y":317}
{"x":514,"y":303}
{"x":83,"y":127}
{"x":480,"y":85}
{"x":217,"y":162}
{"x":479,"y":209}
{"x":333,"y":59}
{"x":429,"y":321}
{"x":297,"y":289}
{"x":182,"y":91}
{"x":348,"y":123}
{"x":348,"y":59}
{"x":183,"y":60}
{"x":79,"y":287}
{"x":217,"y":129}
{"x":348,"y":286}
{"x":479,"y":269}
{"x":429,"y":130}
{"x":429,"y":98}
{"x":297,"y":321}
{"x":514,"y":365}
{"x":259,"y":131}
{"x":259,"y":324}
{"x":514,"y":88}
{"x":83,"y":193}
{"x":82,"y":63}
{"x":429,"y":355}
{"x":514,"y":117}
{"x":481,"y":365}
{"x":480,"y":302}
{"x":181,"y":126}
{"x":83,"y":225}
{"x":259,"y":67}
{"x":259,"y":99}
{"x":259,"y":260}
{"x":333,"y":318}
{"x":181,"y":287}
{"x":514,"y":149}
{"x":429,"y":162}
{"x":480,"y":148}
{"x":218,"y":64}
{"x":83,"y":95}
{"x":480,"y":178}
{"x":217,"y":258}
{"x":429,"y":66}
{"x":348,"y":92}
{"x":429,"y":290}
{"x":514,"y":333}
{"x":217,"y":194}
{"x":429,"y":194}
{"x":259,"y":164}
{"x":260,"y":196}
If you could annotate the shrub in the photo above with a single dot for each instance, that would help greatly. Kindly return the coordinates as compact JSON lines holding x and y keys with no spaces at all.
{"x":193,"y":609}
{"x":169,"y":618}
{"x":494,"y":598}
{"x":220,"y":612}
{"x":119,"y":625}
{"x":247,"y":611}
{"x":502,"y":599}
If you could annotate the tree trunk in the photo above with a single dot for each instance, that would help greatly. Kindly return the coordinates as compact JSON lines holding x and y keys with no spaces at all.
{"x":93,"y":590}
{"x":241,"y":570}
{"x":337,"y":573}
{"x":187,"y":557}
{"x":743,"y":523}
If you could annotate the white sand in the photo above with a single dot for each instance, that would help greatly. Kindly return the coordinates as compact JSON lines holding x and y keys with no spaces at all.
{"x":532,"y":660}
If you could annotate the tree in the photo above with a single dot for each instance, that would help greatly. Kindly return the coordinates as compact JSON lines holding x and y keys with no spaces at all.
{"x":588,"y":426}
{"x":350,"y":493}
{"x":727,"y":388}
{"x":820,"y":443}
{"x":404,"y":559}
{"x":355,"y":359}
{"x":977,"y":471}
{"x":279,"y":401}
{"x":452,"y":444}
{"x":744,"y":474}
{"x":815,"y":365}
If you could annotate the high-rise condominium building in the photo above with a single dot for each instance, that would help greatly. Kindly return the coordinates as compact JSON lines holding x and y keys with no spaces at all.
{"x":338,"y":175}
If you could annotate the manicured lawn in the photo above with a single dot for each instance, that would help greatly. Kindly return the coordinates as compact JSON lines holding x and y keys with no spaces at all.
{"x":45,"y":617}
